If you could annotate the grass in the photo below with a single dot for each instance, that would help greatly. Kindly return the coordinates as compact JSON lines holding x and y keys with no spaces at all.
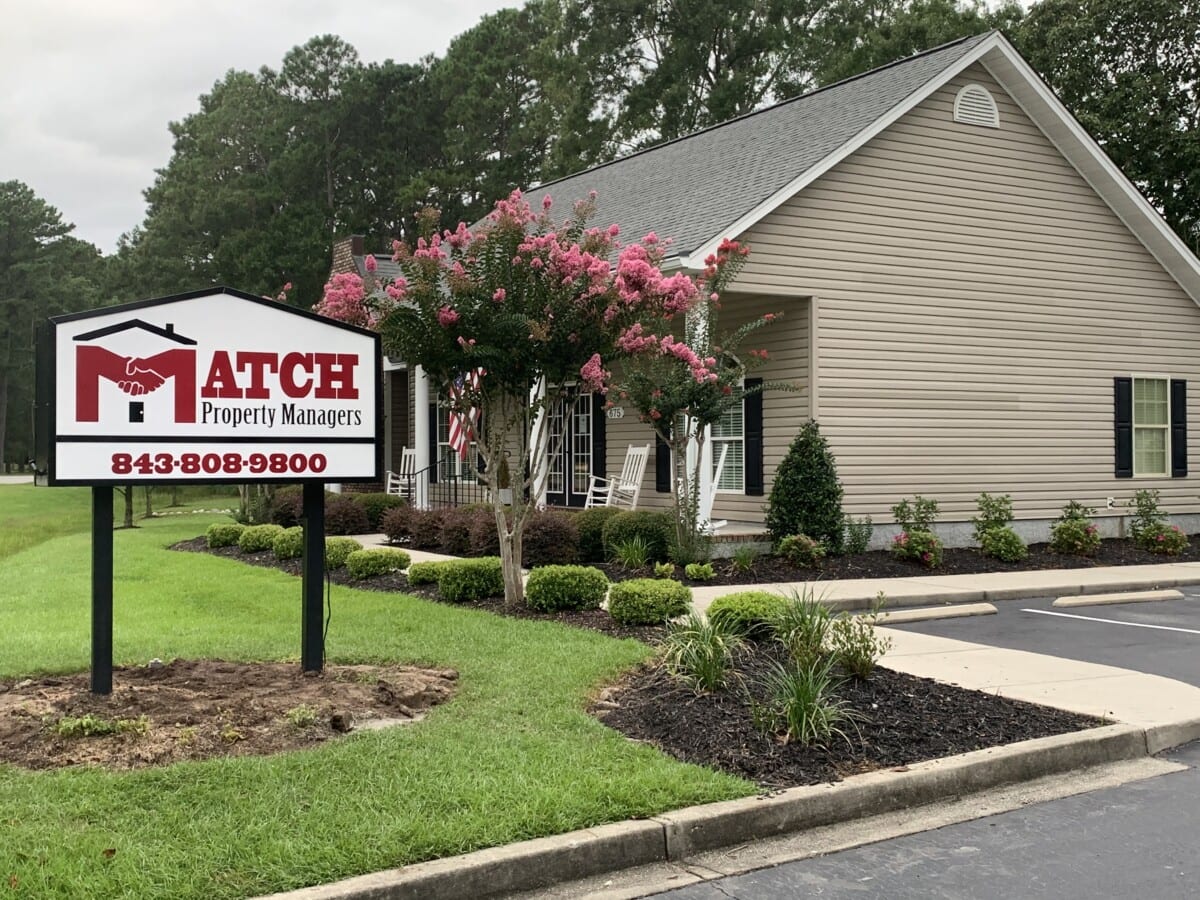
{"x":513,"y":756}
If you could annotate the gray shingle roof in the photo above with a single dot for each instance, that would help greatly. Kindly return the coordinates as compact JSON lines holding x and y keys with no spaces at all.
{"x":694,"y":188}
{"x":386,"y":269}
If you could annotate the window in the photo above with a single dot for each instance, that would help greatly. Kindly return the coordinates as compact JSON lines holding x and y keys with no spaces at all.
{"x":450,"y":465}
{"x":729,"y":441}
{"x":1151,"y":426}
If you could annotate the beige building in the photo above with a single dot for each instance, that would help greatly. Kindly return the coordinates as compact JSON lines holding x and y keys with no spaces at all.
{"x":974,"y":298}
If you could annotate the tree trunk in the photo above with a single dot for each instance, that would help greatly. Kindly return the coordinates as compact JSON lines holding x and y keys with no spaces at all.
{"x":3,"y":415}
{"x":127,"y":490}
{"x":149,"y":505}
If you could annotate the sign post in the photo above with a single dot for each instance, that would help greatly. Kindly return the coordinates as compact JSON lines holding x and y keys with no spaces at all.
{"x":214,"y":387}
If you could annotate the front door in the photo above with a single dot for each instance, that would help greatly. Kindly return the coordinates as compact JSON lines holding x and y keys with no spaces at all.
{"x":575,"y":444}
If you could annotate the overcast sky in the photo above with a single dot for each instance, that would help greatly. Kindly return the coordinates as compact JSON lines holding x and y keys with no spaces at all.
{"x":87,"y":87}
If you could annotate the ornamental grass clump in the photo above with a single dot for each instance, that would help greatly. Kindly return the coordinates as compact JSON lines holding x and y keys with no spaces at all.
{"x":699,"y":652}
{"x":1073,"y":531}
{"x":1150,"y":529}
{"x":801,"y":624}
{"x":802,"y":705}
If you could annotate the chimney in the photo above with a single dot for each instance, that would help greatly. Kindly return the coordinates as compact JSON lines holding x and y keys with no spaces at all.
{"x":356,"y":244}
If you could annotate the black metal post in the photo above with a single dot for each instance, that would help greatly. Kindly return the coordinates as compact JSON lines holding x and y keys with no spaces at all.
{"x":312,"y":640}
{"x":102,"y":589}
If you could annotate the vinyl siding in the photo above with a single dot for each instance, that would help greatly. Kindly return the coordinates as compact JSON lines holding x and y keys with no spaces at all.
{"x":976,"y":299}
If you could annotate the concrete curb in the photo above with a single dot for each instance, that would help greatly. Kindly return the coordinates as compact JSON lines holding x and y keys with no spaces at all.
{"x":674,"y":836}
{"x":1124,"y":597}
{"x":929,"y":613}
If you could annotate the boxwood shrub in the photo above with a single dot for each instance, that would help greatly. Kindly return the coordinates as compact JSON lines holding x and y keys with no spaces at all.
{"x":551,"y":539}
{"x":223,"y":535}
{"x":590,"y":523}
{"x":647,"y":601}
{"x":289,"y":544}
{"x":748,"y":613}
{"x":464,"y":580}
{"x":375,"y":505}
{"x":376,"y":561}
{"x":345,"y":515}
{"x":554,"y":588}
{"x":655,"y":528}
{"x":338,"y":550}
{"x":424,"y":572}
{"x":258,"y":537}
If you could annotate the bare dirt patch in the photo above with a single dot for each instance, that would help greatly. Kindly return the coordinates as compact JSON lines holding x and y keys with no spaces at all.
{"x":199,"y":709}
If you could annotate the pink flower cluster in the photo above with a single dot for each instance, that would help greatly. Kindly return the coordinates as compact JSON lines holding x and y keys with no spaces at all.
{"x":447,"y":317}
{"x":345,"y":300}
{"x":594,"y":375}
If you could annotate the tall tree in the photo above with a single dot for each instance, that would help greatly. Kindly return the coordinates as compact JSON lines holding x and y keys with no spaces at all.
{"x":43,"y":272}
{"x":1130,"y":72}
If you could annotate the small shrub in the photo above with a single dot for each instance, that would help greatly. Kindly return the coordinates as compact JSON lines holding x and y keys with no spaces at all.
{"x":302,"y":716}
{"x":1149,"y":526}
{"x":647,"y":601}
{"x":854,"y":645}
{"x":376,"y":561}
{"x":90,"y":725}
{"x":376,"y":505}
{"x":801,"y":550}
{"x":424,"y":573}
{"x":801,"y":625}
{"x":343,"y":515}
{"x":425,"y":529}
{"x":695,"y":547}
{"x":664,"y":570}
{"x":916,"y":516}
{"x":858,"y":534}
{"x":806,"y":497}
{"x":698,"y":652}
{"x":1170,"y":540}
{"x":655,"y":528}
{"x":338,"y":550}
{"x":485,"y":539}
{"x":465,"y":580}
{"x":553,"y":588}
{"x":551,"y":539}
{"x":1073,"y":531}
{"x":633,"y":553}
{"x":590,"y":523}
{"x":802,"y":705}
{"x":699,"y":571}
{"x":994,"y":512}
{"x":395,"y":524}
{"x":923,"y":546}
{"x":286,"y":506}
{"x":289,"y":544}
{"x":1004,"y":544}
{"x":743,"y":559}
{"x":257,"y":538}
{"x":223,"y":535}
{"x":748,"y":613}
{"x":456,"y":531}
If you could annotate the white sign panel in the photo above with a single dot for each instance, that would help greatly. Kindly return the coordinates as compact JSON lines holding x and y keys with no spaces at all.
{"x":212,"y":386}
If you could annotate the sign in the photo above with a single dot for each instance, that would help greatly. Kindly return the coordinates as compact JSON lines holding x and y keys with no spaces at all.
{"x":212,"y":386}
{"x":615,"y":412}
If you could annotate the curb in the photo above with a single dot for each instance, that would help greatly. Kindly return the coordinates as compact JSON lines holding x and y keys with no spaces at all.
{"x":929,"y":613}
{"x":674,"y":836}
{"x":1123,"y":597}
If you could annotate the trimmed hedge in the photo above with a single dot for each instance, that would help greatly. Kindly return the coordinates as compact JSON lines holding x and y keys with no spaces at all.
{"x":424,"y":572}
{"x":376,"y":561}
{"x":375,"y":505}
{"x":425,"y":529}
{"x":395,"y":524}
{"x":748,"y":613}
{"x":647,"y":601}
{"x":338,"y":550}
{"x":289,"y":544}
{"x":551,"y":538}
{"x":554,"y":588}
{"x":259,"y":537}
{"x":590,"y":523}
{"x":464,"y":580}
{"x":345,"y":515}
{"x":223,"y":535}
{"x":655,"y":528}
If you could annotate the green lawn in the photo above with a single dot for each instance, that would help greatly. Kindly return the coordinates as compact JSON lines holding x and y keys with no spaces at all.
{"x":511,"y":757}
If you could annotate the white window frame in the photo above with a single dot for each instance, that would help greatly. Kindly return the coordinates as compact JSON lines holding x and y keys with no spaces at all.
{"x":716,"y":442}
{"x":1165,"y":428}
{"x":466,"y":471}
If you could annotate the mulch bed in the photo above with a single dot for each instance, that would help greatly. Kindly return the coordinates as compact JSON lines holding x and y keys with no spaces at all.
{"x":903,"y":720}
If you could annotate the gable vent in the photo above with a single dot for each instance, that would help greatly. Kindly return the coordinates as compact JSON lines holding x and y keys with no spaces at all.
{"x":975,"y":105}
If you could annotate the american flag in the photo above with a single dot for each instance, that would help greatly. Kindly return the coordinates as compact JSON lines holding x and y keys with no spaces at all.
{"x":462,"y":425}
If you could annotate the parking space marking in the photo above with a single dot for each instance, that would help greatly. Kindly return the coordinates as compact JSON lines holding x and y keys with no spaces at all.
{"x":1046,"y":612}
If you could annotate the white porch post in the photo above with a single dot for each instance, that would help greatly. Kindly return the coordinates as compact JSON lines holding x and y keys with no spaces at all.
{"x":421,"y":435}
{"x":539,"y":459}
{"x":707,"y":493}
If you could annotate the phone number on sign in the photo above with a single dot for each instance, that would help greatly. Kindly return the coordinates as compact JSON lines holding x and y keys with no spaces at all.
{"x":214,"y":463}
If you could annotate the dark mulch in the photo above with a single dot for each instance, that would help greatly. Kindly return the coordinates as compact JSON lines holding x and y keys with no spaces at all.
{"x":903,"y":720}
{"x":882,"y":564}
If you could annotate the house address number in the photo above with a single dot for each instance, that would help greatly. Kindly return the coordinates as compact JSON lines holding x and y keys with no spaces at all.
{"x":617,"y":412}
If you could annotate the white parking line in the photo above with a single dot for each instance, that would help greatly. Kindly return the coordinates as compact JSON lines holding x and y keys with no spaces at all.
{"x":1046,"y":612}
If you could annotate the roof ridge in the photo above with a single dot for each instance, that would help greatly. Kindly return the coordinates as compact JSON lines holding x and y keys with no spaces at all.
{"x":765,"y":109}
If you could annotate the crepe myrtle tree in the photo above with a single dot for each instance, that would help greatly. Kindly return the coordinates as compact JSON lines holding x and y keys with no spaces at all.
{"x":533,"y":307}
{"x":681,"y":386}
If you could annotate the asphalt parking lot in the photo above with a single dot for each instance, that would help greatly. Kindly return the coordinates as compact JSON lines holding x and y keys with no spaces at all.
{"x":1159,"y":638}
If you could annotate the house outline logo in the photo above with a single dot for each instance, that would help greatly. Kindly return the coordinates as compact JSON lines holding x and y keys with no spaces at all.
{"x":137,"y":376}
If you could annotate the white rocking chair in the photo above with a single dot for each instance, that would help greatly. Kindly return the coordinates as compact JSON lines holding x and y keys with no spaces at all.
{"x":623,"y":490}
{"x":402,"y":483}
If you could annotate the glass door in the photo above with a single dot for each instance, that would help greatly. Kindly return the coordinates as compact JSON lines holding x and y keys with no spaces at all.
{"x":570,"y":450}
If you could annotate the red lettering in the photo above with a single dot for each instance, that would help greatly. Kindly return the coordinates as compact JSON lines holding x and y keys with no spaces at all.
{"x":337,"y":376}
{"x":287,"y":374}
{"x":221,"y":381}
{"x":258,"y":364}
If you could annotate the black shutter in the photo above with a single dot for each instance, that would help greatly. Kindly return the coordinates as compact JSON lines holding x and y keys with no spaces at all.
{"x":752,"y":419}
{"x":1178,"y":428}
{"x":662,"y":465}
{"x":599,"y":437}
{"x":433,"y":443}
{"x":1123,"y":426}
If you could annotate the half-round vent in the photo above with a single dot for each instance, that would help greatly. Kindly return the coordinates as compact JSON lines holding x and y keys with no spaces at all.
{"x":974,"y":105}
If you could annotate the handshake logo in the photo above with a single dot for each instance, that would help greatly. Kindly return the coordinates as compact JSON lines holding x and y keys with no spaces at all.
{"x":136,"y":376}
{"x":141,"y":378}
